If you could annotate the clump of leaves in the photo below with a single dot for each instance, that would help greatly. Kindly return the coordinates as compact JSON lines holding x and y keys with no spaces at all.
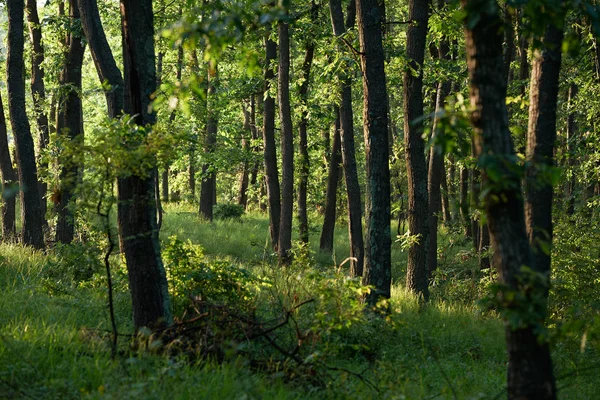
{"x":228,"y":211}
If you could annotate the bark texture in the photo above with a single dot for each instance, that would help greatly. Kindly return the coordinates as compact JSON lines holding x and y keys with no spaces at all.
{"x":416,"y":166}
{"x":270,"y":152}
{"x":69,"y":124}
{"x":530,"y":373}
{"x":9,"y":183}
{"x":355,"y":231}
{"x":377,"y":270}
{"x":287,"y":144}
{"x":329,"y":217}
{"x":31,"y":213}
{"x":137,"y":213}
{"x":208,"y":185}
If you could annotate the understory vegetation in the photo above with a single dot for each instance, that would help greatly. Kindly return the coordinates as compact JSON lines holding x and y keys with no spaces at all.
{"x":247,"y":329}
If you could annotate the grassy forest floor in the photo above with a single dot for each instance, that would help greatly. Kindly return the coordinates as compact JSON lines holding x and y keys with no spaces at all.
{"x":55,"y":326}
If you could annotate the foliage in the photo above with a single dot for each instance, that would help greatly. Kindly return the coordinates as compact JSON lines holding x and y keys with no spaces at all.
{"x":228,"y":211}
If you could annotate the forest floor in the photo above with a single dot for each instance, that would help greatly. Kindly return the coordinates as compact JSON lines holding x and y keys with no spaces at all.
{"x":55,"y":327}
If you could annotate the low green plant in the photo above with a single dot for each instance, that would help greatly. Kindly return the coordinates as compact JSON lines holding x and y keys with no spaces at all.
{"x":228,"y":211}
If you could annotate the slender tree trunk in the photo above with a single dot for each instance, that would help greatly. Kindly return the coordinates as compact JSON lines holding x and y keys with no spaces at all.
{"x":327,"y":233}
{"x":357,"y":250}
{"x":523,"y":49}
{"x":474,"y":190}
{"x":31,"y":213}
{"x":137,"y":214}
{"x":9,"y":183}
{"x":69,"y":124}
{"x":270,"y":152}
{"x":38,"y":91}
{"x":287,"y":143}
{"x":302,"y":128}
{"x":509,"y":39}
{"x":541,"y":136}
{"x":436,"y":160}
{"x":208,"y":185}
{"x":446,"y":211}
{"x":242,"y":198}
{"x":464,"y":200}
{"x":377,"y":269}
{"x":571,"y":145}
{"x":255,"y":148}
{"x":416,"y":167}
{"x":530,"y":366}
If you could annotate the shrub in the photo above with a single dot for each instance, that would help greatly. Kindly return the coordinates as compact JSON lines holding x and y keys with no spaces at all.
{"x":228,"y":211}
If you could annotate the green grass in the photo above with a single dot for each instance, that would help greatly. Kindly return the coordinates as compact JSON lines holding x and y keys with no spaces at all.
{"x":54,"y":343}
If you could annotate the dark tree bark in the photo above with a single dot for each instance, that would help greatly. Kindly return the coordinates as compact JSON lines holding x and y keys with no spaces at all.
{"x":416,"y":167}
{"x":255,"y":134}
{"x":9,"y":183}
{"x":377,"y":268}
{"x":137,"y":214}
{"x":571,"y":145}
{"x":333,"y":177}
{"x":287,"y":143}
{"x":302,"y":128}
{"x":357,"y":249}
{"x":208,"y":185}
{"x":446,"y":211}
{"x":31,"y":213}
{"x":165,"y":172}
{"x":509,"y":39}
{"x":108,"y":72}
{"x":541,"y":135}
{"x":530,"y":366}
{"x":38,"y":91}
{"x":242,"y":198}
{"x":523,"y":48}
{"x":270,"y":152}
{"x":436,"y":162}
{"x":69,"y":123}
{"x":464,"y":200}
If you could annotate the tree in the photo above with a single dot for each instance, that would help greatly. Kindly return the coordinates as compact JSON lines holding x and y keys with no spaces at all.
{"x":417,"y":275}
{"x":38,"y":89}
{"x":287,"y":141}
{"x":69,"y":124}
{"x":329,"y":216}
{"x":9,"y":181}
{"x":269,"y":149}
{"x":530,"y":374}
{"x":377,"y":269}
{"x":31,"y":212}
{"x":353,"y":190}
{"x":136,"y":211}
{"x":207,"y":187}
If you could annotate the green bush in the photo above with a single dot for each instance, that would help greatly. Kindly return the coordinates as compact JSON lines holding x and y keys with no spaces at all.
{"x":228,"y":211}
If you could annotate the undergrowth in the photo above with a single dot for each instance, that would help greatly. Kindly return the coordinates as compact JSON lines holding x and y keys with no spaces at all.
{"x":246,"y":329}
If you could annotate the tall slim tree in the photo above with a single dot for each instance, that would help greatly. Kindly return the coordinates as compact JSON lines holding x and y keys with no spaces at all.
{"x":287,"y":141}
{"x":9,"y":182}
{"x":31,"y":212}
{"x":416,"y":167}
{"x":530,"y":374}
{"x":137,"y":213}
{"x":208,"y":185}
{"x":541,"y":136}
{"x":269,"y":150}
{"x":377,"y":270}
{"x":355,"y":231}
{"x":304,"y":160}
{"x":38,"y":89}
{"x":69,"y":123}
{"x":329,"y":215}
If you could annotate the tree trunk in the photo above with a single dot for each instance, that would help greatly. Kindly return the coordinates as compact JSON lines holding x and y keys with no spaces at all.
{"x":38,"y":92}
{"x":242,"y":198}
{"x":377,"y":268}
{"x":270,"y":152}
{"x":302,"y":128}
{"x":416,"y":167}
{"x":509,"y":39}
{"x":255,"y":135}
{"x":9,"y":183}
{"x":69,"y":124}
{"x":137,"y":214}
{"x":326,"y":241}
{"x":31,"y":213}
{"x":355,"y":233}
{"x":523,"y":49}
{"x":541,"y":135}
{"x":208,"y":185}
{"x":464,"y":200}
{"x":529,"y":367}
{"x":571,"y":145}
{"x":446,"y":211}
{"x":436,"y":161}
{"x":287,"y":143}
